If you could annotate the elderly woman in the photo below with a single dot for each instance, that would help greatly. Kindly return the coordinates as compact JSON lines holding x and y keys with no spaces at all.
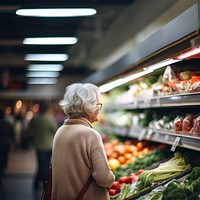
{"x":78,"y":150}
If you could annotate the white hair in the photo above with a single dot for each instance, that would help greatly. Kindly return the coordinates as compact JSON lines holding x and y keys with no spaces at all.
{"x":78,"y":98}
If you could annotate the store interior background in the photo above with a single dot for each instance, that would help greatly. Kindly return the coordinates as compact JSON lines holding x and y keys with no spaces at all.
{"x":117,"y":28}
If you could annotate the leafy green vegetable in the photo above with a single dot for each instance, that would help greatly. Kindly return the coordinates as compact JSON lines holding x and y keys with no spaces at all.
{"x":164,"y":171}
{"x":178,"y":193}
{"x":156,"y":195}
{"x":194,"y":174}
{"x":124,"y":191}
{"x":186,"y":190}
{"x":195,"y":186}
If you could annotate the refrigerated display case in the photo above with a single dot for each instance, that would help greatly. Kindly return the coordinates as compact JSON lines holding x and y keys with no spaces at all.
{"x":170,"y":42}
{"x":177,"y":41}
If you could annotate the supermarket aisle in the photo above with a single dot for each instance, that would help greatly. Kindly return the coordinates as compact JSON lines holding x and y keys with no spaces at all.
{"x":18,"y":180}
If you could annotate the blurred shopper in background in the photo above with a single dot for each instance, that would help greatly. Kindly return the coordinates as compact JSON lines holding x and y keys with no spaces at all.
{"x":41,"y":130}
{"x":19,"y":129}
{"x":7,"y":137}
{"x":78,"y":150}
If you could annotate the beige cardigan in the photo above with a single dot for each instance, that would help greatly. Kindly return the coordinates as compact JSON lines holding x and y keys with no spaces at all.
{"x":78,"y":152}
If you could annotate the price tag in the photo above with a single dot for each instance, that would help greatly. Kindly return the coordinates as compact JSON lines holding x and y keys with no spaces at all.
{"x":149,"y":134}
{"x":175,"y":144}
{"x":142,"y":135}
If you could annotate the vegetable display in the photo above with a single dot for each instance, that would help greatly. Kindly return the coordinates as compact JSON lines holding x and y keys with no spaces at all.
{"x":152,"y":157}
{"x":164,"y":171}
{"x":188,"y":189}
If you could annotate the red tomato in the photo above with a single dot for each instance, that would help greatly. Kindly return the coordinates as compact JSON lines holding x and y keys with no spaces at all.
{"x":129,"y":180}
{"x":112,"y":192}
{"x":116,"y":185}
{"x":133,"y":177}
{"x":122,"y":179}
{"x":125,"y":179}
{"x":139,"y":172}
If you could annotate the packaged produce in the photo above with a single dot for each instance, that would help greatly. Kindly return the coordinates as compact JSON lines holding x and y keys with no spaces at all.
{"x":195,"y":86}
{"x":187,"y":123}
{"x":168,"y":77}
{"x":178,"y":124}
{"x":185,"y":75}
{"x":196,"y":126}
{"x":180,"y":86}
{"x":195,"y":79}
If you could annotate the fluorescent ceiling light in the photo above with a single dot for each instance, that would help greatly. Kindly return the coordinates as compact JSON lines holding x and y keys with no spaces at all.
{"x":43,"y":74}
{"x":45,"y":67}
{"x":50,"y":40}
{"x":42,"y":81}
{"x":46,"y":57}
{"x":57,"y":12}
{"x":150,"y":69}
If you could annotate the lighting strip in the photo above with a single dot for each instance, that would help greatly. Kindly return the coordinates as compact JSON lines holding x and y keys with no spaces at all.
{"x":46,"y":57}
{"x":109,"y":86}
{"x":50,"y":41}
{"x":56,"y":12}
{"x":189,"y":53}
{"x":47,"y":81}
{"x":43,"y":74}
{"x":45,"y":67}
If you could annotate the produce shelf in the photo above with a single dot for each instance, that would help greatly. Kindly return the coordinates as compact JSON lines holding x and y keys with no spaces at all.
{"x":109,"y":129}
{"x":179,"y":178}
{"x":175,"y":100}
{"x":186,"y":141}
{"x":166,"y":137}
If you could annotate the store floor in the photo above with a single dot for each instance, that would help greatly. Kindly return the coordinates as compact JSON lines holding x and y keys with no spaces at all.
{"x":18,"y":180}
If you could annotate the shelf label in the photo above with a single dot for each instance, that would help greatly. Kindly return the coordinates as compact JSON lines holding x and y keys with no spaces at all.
{"x":142,"y":134}
{"x":175,"y":144}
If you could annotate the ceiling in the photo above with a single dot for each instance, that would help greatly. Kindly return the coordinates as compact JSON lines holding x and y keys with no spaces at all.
{"x":102,"y":38}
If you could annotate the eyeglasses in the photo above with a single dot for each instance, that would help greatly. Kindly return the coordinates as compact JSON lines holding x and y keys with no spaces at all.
{"x":100,"y":105}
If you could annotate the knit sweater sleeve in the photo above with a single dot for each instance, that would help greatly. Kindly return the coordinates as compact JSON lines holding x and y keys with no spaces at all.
{"x":101,"y":171}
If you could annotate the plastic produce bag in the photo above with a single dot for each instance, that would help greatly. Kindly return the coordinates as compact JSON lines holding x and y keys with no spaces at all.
{"x":188,"y":123}
{"x":178,"y":123}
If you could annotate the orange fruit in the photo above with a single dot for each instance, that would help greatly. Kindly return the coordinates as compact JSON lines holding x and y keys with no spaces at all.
{"x":127,"y":155}
{"x":114,"y":154}
{"x":135,"y":154}
{"x":120,"y":149}
{"x":133,"y":148}
{"x":140,"y":154}
{"x":145,"y":151}
{"x":121,"y":159}
{"x":140,"y":146}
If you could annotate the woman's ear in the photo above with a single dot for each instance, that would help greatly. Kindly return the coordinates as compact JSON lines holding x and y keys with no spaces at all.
{"x":87,"y":113}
